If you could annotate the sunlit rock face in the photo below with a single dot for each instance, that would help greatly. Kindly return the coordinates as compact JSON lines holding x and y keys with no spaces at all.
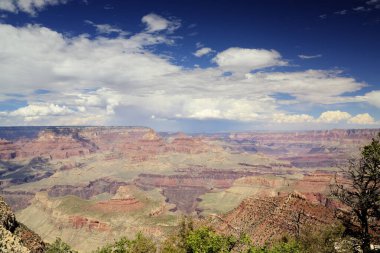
{"x":137,"y":143}
{"x":266,"y":219}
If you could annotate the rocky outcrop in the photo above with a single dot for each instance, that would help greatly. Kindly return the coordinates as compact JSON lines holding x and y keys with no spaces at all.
{"x":14,"y":236}
{"x":102,"y":185}
{"x":266,"y":219}
{"x":316,"y":182}
{"x":80,"y":222}
{"x":122,"y":201}
{"x":184,"y":190}
{"x":56,"y":143}
{"x":182,"y":143}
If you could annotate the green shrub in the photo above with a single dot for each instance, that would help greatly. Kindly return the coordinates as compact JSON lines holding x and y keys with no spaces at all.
{"x":59,"y":246}
{"x":140,"y":244}
{"x":291,"y":246}
{"x":205,"y":240}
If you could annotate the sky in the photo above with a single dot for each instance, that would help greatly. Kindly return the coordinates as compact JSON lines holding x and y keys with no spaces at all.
{"x":192,"y":66}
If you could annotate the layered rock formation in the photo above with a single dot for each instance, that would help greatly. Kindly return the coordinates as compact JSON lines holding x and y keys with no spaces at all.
{"x":88,"y":183}
{"x":184,"y":190}
{"x":307,"y":149}
{"x":138,"y":144}
{"x":102,"y":185}
{"x":267,"y":219}
{"x":14,"y":236}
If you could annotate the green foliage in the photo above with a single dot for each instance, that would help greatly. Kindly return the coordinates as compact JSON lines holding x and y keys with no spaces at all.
{"x":322,"y":241}
{"x":173,"y":245}
{"x":282,"y":247}
{"x":140,"y":244}
{"x":176,"y":243}
{"x":205,"y":240}
{"x":59,"y":246}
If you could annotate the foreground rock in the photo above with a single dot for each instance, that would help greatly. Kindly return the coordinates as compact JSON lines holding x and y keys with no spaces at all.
{"x":16,"y":237}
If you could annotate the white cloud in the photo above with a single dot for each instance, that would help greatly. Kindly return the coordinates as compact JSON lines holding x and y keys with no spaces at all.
{"x":292,"y":118}
{"x":333,"y":117}
{"x":373,"y":98}
{"x":328,"y":117}
{"x":36,"y":111}
{"x":8,"y":5}
{"x":29,"y":6}
{"x":97,"y":79}
{"x":157,"y":23}
{"x":203,"y":51}
{"x":244,"y":60}
{"x":106,"y":28}
{"x":316,"y":86}
{"x":101,"y":98}
{"x":306,"y":57}
{"x":362,"y":119}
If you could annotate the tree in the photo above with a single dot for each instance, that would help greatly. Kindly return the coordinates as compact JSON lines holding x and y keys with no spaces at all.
{"x":205,"y":240}
{"x":176,"y":243}
{"x":59,"y":246}
{"x":140,"y":244}
{"x":360,"y":191}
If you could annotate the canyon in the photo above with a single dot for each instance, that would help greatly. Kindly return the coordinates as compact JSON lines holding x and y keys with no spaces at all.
{"x":91,"y":185}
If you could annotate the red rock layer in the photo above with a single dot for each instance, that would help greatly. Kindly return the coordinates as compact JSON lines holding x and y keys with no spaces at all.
{"x":79,"y":222}
{"x":137,"y":144}
{"x":118,"y":205}
{"x":266,"y":219}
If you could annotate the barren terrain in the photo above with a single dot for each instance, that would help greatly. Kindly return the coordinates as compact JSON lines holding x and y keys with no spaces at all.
{"x":91,"y":185}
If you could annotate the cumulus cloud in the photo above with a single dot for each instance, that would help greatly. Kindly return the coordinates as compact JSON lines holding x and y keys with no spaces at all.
{"x":101,"y":98}
{"x":373,"y":98}
{"x":333,"y":116}
{"x":306,"y":57}
{"x":245,"y":60}
{"x":36,"y":111}
{"x":328,"y":117}
{"x":203,"y":51}
{"x":362,"y":119}
{"x":29,"y":6}
{"x":93,"y":80}
{"x":157,"y":23}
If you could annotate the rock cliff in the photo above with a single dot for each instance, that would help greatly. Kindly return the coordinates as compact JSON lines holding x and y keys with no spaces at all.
{"x":266,"y":219}
{"x":16,"y":237}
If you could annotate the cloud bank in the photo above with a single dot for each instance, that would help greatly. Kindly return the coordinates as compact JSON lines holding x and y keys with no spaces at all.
{"x":94,"y":81}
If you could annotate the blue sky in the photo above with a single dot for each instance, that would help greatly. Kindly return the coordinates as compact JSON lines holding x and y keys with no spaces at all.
{"x":191,"y":66}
